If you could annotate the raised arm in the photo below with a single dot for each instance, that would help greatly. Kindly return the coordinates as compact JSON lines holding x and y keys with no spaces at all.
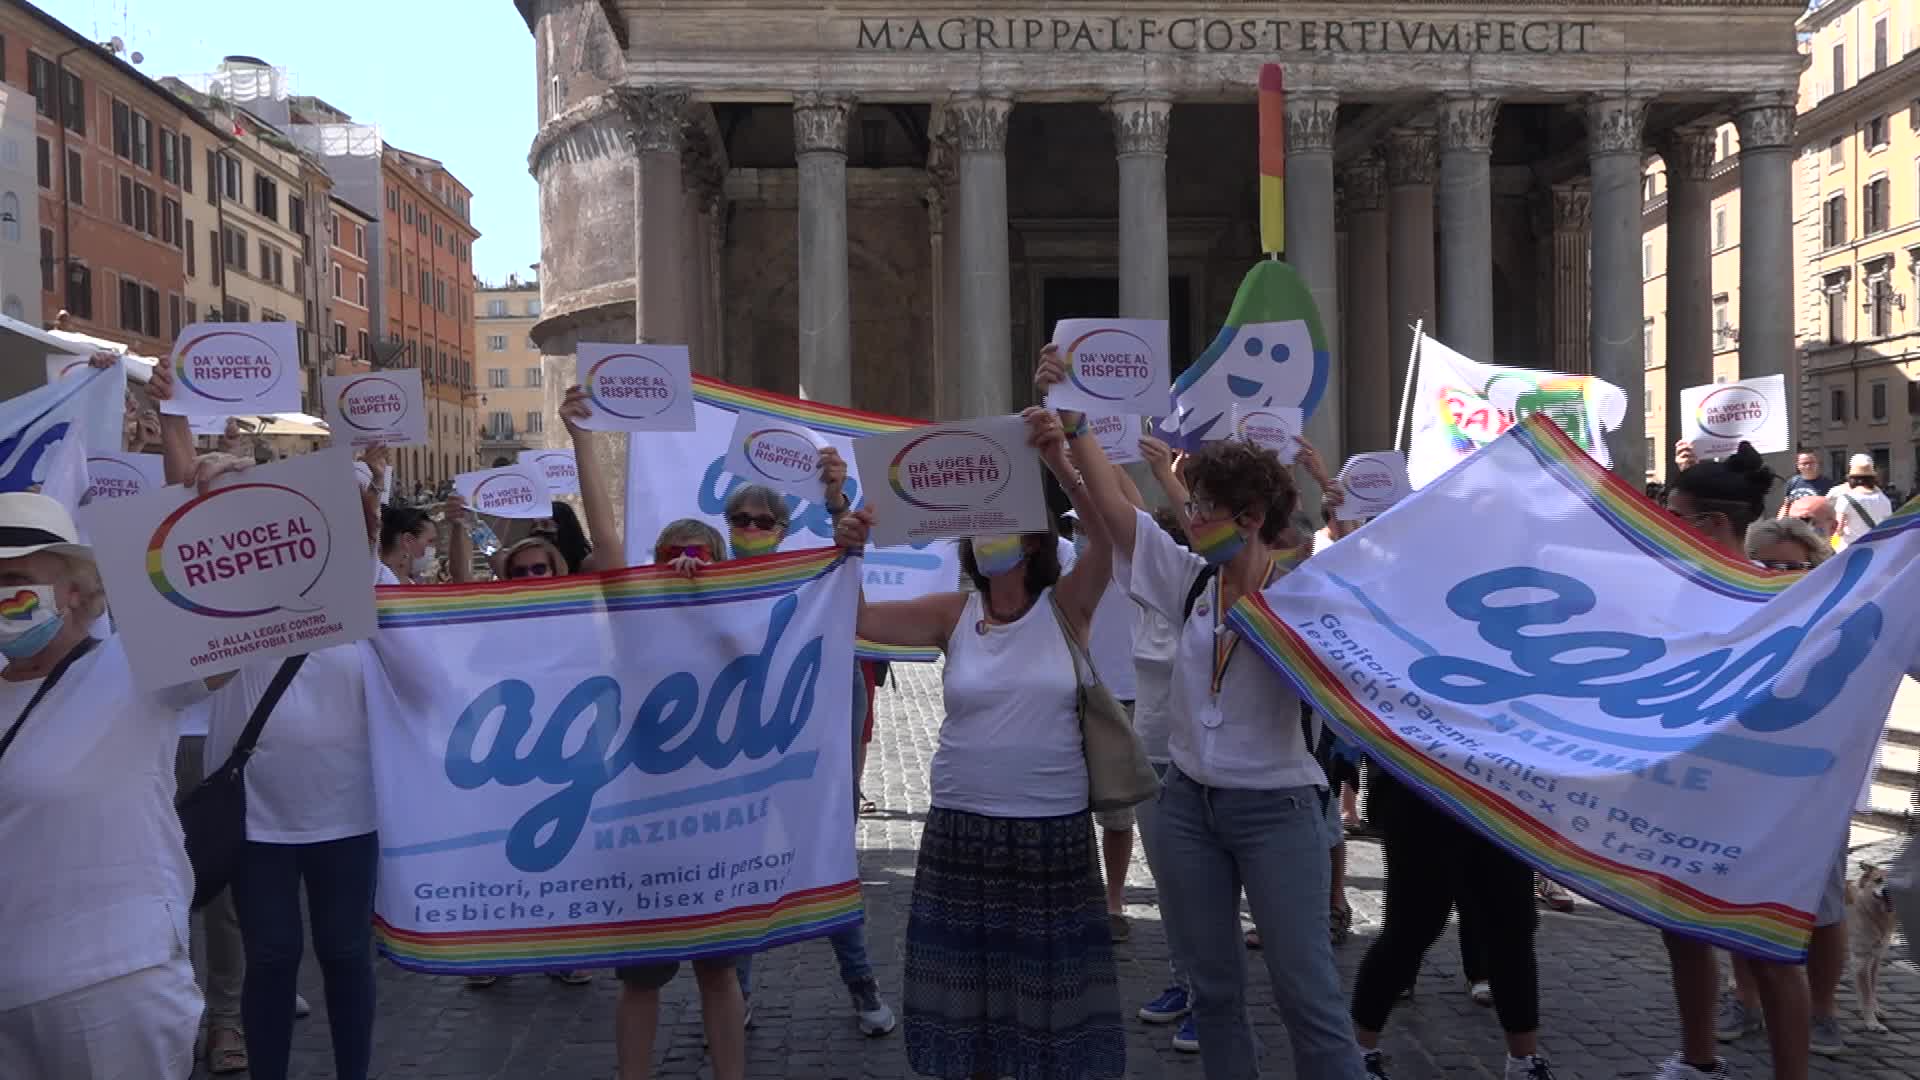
{"x":923,"y":622}
{"x":1103,"y":497}
{"x":1162,"y":463}
{"x":1331,"y":493}
{"x":459,"y":540}
{"x":1080,"y":589}
{"x":176,"y":433}
{"x":603,"y":525}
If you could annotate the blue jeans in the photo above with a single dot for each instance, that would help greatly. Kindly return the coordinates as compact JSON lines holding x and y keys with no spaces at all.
{"x":849,"y":947}
{"x":266,"y":896}
{"x":1148,"y":815}
{"x":1271,"y":842}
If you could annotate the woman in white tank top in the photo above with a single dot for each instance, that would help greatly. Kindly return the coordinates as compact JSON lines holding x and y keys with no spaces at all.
{"x":1009,"y":959}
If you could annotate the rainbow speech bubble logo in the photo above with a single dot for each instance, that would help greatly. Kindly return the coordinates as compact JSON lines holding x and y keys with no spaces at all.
{"x":1110,"y":364}
{"x":780,"y":455}
{"x":77,"y":365}
{"x":257,"y":349}
{"x":1731,"y":411}
{"x":966,"y":462}
{"x":113,"y":478}
{"x":20,"y":607}
{"x":654,"y":384}
{"x":367,"y":389}
{"x":199,"y":566}
{"x":1266,"y":427}
{"x":506,"y":491}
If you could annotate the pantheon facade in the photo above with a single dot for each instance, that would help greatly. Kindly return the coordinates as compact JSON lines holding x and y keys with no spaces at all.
{"x":888,"y":204}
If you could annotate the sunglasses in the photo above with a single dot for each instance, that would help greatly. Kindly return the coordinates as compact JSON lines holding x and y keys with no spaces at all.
{"x":539,"y":569}
{"x":763,"y":522}
{"x":666,"y":553}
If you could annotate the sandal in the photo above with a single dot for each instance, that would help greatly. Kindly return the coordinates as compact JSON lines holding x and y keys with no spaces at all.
{"x":571,"y":978}
{"x":1548,"y":892}
{"x":868,"y":806}
{"x":1340,"y":922}
{"x":1253,"y":938}
{"x":226,"y":1050}
{"x":1119,"y":928}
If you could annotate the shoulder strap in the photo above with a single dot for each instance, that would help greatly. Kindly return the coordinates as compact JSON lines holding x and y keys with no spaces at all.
{"x":281,"y":679}
{"x":85,"y":646}
{"x":1861,"y":510}
{"x":1082,"y":667}
{"x":1198,"y":590}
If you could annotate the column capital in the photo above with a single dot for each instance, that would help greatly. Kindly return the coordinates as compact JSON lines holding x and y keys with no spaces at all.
{"x":659,"y":115}
{"x":1411,"y":158}
{"x":1688,"y":152}
{"x":1572,"y":208}
{"x":1140,"y":123}
{"x":1466,"y":122}
{"x":1310,"y":121}
{"x":820,"y":121}
{"x":1364,"y":183}
{"x":1616,"y":125}
{"x":1765,"y":121}
{"x":979,"y":121}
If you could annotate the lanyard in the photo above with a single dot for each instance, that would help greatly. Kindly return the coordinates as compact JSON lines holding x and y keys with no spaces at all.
{"x":1226,"y":641}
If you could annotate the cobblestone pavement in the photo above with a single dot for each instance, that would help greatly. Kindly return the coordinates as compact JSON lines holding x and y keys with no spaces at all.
{"x":1606,"y":1005}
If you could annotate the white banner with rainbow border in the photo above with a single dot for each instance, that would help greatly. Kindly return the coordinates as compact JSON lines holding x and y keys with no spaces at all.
{"x":1667,"y":730}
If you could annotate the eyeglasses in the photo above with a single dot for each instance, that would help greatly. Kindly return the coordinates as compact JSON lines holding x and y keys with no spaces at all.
{"x":1772,"y":565}
{"x":1205,"y":508}
{"x":763,"y":522}
{"x":539,"y":569}
{"x":666,"y":553}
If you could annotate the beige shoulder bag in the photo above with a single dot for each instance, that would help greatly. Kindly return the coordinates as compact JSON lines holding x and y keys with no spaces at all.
{"x":1118,"y":773}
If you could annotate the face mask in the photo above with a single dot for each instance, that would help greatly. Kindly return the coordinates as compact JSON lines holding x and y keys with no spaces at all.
{"x":997,"y":555}
{"x":423,"y":562}
{"x":747,"y":543}
{"x":28,"y":621}
{"x":1218,"y":542}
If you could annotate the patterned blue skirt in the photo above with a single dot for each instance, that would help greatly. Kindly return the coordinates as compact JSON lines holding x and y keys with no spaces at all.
{"x":1009,"y":957}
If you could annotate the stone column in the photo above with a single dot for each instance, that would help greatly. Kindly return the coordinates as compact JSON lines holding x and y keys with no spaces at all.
{"x":660,"y":208}
{"x":1410,"y":170}
{"x":1310,"y":244}
{"x":1140,"y":145}
{"x":820,"y":146}
{"x":1466,"y":224}
{"x":1766,"y":235}
{"x":1614,"y":153}
{"x":1572,"y":237}
{"x":1688,"y":153}
{"x":980,"y":374}
{"x":1367,"y":362}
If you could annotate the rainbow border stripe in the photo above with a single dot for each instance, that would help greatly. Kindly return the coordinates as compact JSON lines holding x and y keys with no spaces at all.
{"x":1770,"y":931}
{"x":795,"y":917}
{"x":831,"y":419}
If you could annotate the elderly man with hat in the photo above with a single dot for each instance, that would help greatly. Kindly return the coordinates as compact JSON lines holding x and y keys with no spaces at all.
{"x":1859,"y":503}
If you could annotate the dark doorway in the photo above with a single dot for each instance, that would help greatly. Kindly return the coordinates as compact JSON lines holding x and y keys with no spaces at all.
{"x":1099,"y":298}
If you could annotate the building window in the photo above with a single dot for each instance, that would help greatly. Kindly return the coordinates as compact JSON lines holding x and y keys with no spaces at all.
{"x":174,"y":324}
{"x":340,"y":338}
{"x":230,"y":176}
{"x":535,"y":423}
{"x":497,"y":377}
{"x":73,"y":102}
{"x":233,"y":249}
{"x":1874,"y":207}
{"x":79,"y":289}
{"x":1836,"y":152}
{"x":186,"y":163}
{"x":169,"y":157}
{"x":439,"y":236}
{"x":1646,"y":343}
{"x":1880,"y":44}
{"x":338,"y":280}
{"x":1877,"y":128}
{"x":1833,"y":222}
{"x":360,"y":240}
{"x":533,"y":307}
{"x":533,"y":378}
{"x":409,"y":214}
{"x":170,"y":227}
{"x":122,"y":129}
{"x":1879,"y":401}
{"x":1723,"y":334}
{"x":502,"y":425}
{"x":266,"y":197}
{"x":1719,"y":228}
{"x":1646,"y":260}
{"x":190,"y":242}
{"x":239,"y":311}
{"x":496,"y":343}
{"x":43,"y":163}
{"x":130,"y":306}
{"x":1836,"y":293}
{"x":47,"y":263}
{"x":1880,"y":299}
{"x":143,"y":142}
{"x":40,"y":83}
{"x":393,"y":199}
{"x":496,"y":309}
{"x":363,"y":348}
{"x":360,"y":288}
{"x":297,"y":214}
{"x":1837,"y":412}
{"x":1839,"y":67}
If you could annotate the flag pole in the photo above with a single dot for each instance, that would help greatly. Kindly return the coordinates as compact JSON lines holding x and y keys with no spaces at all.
{"x":1406,"y":392}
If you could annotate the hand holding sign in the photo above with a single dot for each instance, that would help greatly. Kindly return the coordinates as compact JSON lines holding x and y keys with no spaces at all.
{"x":1271,"y":427}
{"x":952,"y":480}
{"x":1374,"y":483}
{"x":781,"y":455}
{"x":636,"y":388}
{"x":512,"y":491}
{"x":1718,"y":417}
{"x":1112,"y":366}
{"x":227,"y":369}
{"x":560,"y":468}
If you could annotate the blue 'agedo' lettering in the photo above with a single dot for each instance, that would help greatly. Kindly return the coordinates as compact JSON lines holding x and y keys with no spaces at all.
{"x":670,"y":731}
{"x":24,"y":461}
{"x":1699,"y":691}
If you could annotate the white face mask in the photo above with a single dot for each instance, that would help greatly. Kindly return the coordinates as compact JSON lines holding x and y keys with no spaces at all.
{"x":423,"y":562}
{"x":30,"y":618}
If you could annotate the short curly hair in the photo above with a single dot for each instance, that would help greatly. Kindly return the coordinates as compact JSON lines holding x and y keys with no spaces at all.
{"x":1246,"y":479}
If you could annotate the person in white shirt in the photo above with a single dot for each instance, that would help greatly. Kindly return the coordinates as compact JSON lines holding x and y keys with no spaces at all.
{"x":1859,"y":503}
{"x":1243,"y":803}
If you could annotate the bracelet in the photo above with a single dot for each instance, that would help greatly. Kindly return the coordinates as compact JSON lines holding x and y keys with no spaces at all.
{"x":1078,"y":429}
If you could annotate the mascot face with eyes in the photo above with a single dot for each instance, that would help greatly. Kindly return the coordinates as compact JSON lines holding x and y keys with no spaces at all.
{"x":1270,"y":354}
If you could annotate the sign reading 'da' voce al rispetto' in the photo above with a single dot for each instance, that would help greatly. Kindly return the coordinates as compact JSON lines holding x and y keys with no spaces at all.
{"x":973,"y":478}
{"x":381,"y":408}
{"x":1227,"y":32}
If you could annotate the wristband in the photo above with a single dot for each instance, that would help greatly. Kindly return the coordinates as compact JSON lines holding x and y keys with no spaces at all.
{"x":1077,"y":429}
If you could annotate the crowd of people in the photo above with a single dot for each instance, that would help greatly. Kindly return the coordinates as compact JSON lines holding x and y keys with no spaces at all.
{"x":1016,"y":902}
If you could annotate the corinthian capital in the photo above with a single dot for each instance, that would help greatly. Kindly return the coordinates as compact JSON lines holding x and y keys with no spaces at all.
{"x":1615,"y":125}
{"x":1765,"y":121}
{"x":659,"y":116}
{"x":1466,"y":123}
{"x":820,"y":121}
{"x":1140,"y":123}
{"x":1572,"y":208}
{"x":979,"y":121}
{"x":1688,"y":152}
{"x":1310,"y":122}
{"x":1410,"y":156}
{"x":1365,"y":184}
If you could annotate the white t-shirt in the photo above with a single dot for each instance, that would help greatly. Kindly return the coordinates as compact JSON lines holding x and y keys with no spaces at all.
{"x":97,"y":879}
{"x":311,"y":776}
{"x":1010,"y":744}
{"x":1852,"y":525}
{"x":1110,"y":639}
{"x":383,"y":574}
{"x":1156,"y":642}
{"x":1247,"y":737}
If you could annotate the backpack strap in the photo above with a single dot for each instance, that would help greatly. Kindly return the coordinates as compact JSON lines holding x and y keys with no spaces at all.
{"x":1198,"y":590}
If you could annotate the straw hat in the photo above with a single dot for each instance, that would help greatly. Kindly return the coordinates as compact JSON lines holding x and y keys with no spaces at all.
{"x":30,"y":523}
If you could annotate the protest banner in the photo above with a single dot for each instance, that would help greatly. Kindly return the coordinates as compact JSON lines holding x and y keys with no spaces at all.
{"x":1660,"y":725}
{"x":1113,"y":366}
{"x":270,"y":564}
{"x":1374,"y":483}
{"x":89,"y":408}
{"x":1276,"y":428}
{"x":684,"y":476}
{"x":233,"y":369}
{"x":521,"y":831}
{"x":1718,"y":417}
{"x":384,"y":408}
{"x":562,"y":472}
{"x":1118,"y":435}
{"x":782,"y":455}
{"x":973,"y":478}
{"x":510,"y":491}
{"x":637,"y":387}
{"x":122,"y":476}
{"x":1460,"y":405}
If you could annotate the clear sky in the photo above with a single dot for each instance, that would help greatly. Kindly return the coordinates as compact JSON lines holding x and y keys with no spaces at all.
{"x":451,"y":79}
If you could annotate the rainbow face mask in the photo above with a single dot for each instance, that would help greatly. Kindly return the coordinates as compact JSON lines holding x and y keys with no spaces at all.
{"x":997,"y":555}
{"x":1218,"y":541}
{"x":28,"y":621}
{"x":747,"y":543}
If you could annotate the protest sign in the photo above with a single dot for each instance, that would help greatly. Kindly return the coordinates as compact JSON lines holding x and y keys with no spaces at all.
{"x":66,"y":365}
{"x":384,"y":408}
{"x":974,"y":478}
{"x":1113,"y":366}
{"x":782,"y":455}
{"x":1118,"y":435}
{"x":520,"y":831}
{"x":231,"y":369}
{"x":1662,"y":726}
{"x":561,"y":471}
{"x":670,"y":477}
{"x":88,"y":408}
{"x":1271,"y":353}
{"x":1374,"y":483}
{"x":122,"y":476}
{"x":1460,"y":405}
{"x":1718,"y":417}
{"x":1276,"y":428}
{"x":510,"y":491}
{"x":637,"y":387}
{"x":270,"y":564}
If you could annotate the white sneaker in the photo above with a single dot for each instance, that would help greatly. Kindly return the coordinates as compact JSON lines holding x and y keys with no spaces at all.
{"x":300,"y":1006}
{"x":1481,"y":993}
{"x":1531,"y":1067}
{"x":1676,"y":1069}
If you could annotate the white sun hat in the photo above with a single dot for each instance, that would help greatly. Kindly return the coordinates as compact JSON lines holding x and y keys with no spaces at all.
{"x":31,"y":522}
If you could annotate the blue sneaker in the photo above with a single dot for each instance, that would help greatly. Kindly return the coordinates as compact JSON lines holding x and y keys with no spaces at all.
{"x":1172,"y":1004}
{"x":1187,"y":1039}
